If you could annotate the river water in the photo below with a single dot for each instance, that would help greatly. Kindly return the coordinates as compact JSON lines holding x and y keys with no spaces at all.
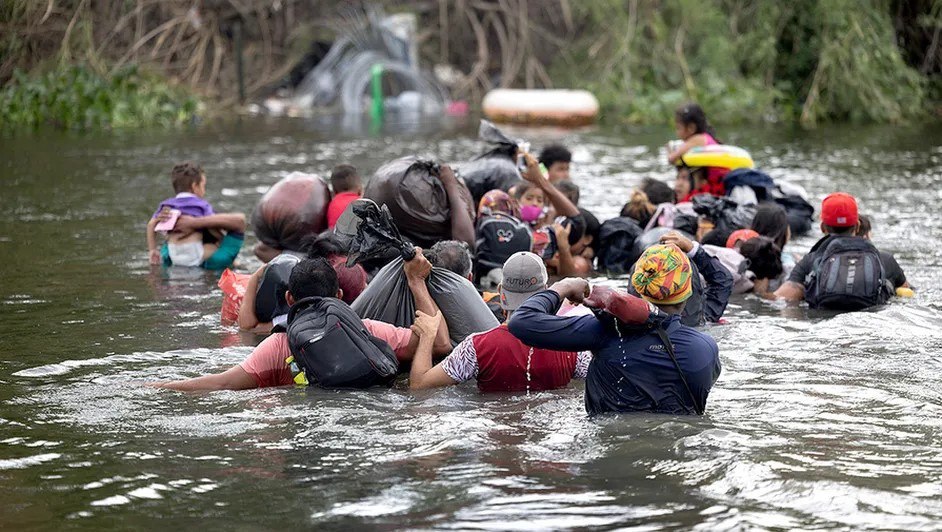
{"x":816,"y":422}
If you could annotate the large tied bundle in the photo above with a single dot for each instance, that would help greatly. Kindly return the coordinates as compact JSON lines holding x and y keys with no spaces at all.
{"x":370,"y":232}
{"x":413,"y":193}
{"x":292,"y":209}
{"x":490,"y":173}
{"x":495,"y":169}
{"x":388,"y":298}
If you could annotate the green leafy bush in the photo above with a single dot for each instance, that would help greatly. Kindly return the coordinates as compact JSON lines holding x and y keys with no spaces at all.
{"x":78,"y":98}
{"x":807,"y":60}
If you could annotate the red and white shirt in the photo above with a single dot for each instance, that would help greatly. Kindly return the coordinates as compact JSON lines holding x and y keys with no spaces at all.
{"x":502,"y":363}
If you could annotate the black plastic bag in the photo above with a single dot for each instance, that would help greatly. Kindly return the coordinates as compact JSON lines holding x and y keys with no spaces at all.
{"x":503,"y":146}
{"x":376,"y":235}
{"x":799,"y":212}
{"x":616,"y":245}
{"x":388,"y":298}
{"x":410,"y":188}
{"x":346,"y":231}
{"x":292,"y":209}
{"x":495,"y":169}
{"x":760,"y":182}
{"x":726,"y":215}
{"x":492,"y":173}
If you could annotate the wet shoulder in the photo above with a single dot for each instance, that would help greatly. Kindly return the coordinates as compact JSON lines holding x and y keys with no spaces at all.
{"x":695,"y":340}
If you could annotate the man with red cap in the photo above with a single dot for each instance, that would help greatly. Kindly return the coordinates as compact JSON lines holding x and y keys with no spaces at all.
{"x":842,"y":271}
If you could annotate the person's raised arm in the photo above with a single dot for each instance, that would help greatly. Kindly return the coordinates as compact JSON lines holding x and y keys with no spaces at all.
{"x":566,"y":265}
{"x":560,"y":202}
{"x":231,"y":221}
{"x":422,"y":374}
{"x":152,"y":251}
{"x":695,"y":140}
{"x":719,"y":282}
{"x":248,"y":320}
{"x":417,"y":271}
{"x":234,"y":378}
{"x":462,"y":226}
{"x":536,"y":324}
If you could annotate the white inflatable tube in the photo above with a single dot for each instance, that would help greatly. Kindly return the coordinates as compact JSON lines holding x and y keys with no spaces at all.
{"x":552,"y":107}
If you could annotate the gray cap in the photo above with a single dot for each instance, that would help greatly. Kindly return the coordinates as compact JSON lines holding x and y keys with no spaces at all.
{"x":524,"y":275}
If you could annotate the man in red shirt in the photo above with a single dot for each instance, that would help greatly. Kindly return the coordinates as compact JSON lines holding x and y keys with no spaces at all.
{"x":266,"y":365}
{"x":347,"y":186}
{"x":497,"y":359}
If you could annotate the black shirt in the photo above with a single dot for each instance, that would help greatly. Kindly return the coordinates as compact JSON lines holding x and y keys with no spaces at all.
{"x":894,"y":273}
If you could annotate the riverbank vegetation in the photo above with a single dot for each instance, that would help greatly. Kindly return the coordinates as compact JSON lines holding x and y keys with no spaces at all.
{"x":745,"y":61}
{"x":810,"y":61}
{"x":77,"y":97}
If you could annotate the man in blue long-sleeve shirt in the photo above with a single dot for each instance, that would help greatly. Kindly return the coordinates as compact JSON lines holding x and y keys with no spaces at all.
{"x":632,"y":368}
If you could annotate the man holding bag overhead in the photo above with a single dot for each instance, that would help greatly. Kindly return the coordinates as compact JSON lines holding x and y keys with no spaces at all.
{"x":643,"y":358}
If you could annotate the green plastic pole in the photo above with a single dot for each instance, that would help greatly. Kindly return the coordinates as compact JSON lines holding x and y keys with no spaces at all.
{"x":376,"y":83}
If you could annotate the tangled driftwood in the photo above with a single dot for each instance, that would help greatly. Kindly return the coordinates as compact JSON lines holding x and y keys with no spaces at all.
{"x":492,"y":42}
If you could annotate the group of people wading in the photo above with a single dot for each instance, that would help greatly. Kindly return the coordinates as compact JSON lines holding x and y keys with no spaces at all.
{"x":639,"y":348}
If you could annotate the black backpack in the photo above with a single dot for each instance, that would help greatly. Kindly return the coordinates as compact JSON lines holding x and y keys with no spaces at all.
{"x":498,"y":237}
{"x":616,"y":245}
{"x":333,"y":348}
{"x":847,"y":274}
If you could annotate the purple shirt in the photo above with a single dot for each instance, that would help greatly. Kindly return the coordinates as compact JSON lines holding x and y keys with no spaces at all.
{"x":188,"y":204}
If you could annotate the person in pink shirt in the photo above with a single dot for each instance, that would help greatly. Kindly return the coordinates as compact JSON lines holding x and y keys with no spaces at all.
{"x":347,"y":186}
{"x":692,"y":127}
{"x":266,"y":365}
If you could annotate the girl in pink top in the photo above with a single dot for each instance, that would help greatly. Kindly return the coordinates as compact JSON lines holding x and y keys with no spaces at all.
{"x":692,"y":127}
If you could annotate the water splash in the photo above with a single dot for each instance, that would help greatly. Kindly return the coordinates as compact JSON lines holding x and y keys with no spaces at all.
{"x":529,"y":360}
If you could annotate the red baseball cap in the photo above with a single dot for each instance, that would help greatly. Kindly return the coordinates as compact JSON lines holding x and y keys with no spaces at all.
{"x":741,"y":234}
{"x":839,"y":210}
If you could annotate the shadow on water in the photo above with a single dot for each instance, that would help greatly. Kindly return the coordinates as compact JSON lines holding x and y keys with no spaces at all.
{"x":817,"y":421}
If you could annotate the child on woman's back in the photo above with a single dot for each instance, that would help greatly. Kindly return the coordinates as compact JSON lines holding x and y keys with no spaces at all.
{"x":183,"y":248}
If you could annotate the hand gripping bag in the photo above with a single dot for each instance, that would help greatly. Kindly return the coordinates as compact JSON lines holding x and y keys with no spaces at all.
{"x":387,"y":298}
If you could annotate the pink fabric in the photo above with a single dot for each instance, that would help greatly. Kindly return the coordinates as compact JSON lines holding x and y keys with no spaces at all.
{"x":397,"y":337}
{"x":267,"y":365}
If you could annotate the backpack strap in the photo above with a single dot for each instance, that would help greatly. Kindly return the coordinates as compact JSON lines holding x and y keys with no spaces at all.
{"x":670,"y":351}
